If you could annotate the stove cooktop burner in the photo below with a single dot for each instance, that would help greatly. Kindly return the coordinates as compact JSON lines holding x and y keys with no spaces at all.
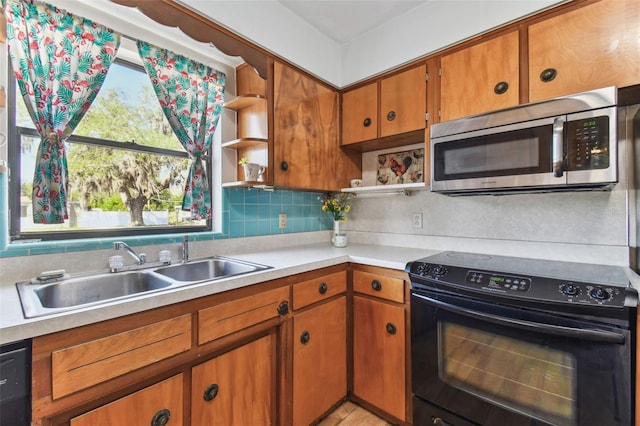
{"x":523,"y":278}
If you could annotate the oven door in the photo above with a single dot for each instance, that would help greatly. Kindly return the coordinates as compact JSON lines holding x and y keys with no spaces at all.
{"x":497,"y":365}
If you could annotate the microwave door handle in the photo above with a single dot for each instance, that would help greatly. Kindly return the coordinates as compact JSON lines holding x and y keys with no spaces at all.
{"x":557,"y":146}
{"x":557,"y":330}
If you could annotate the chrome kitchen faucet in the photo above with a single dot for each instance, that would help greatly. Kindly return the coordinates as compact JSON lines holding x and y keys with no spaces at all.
{"x":141,"y":258}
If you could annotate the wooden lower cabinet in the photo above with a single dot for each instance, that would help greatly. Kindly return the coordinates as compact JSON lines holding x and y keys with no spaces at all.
{"x":319,"y":360}
{"x":156,"y":405}
{"x":235,"y":388}
{"x":379,"y":372}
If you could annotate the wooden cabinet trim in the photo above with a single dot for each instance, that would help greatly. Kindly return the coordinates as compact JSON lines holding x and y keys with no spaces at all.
{"x":380,"y":286}
{"x":226,"y":318}
{"x":308,"y":292}
{"x":87,"y":364}
{"x":139,"y":408}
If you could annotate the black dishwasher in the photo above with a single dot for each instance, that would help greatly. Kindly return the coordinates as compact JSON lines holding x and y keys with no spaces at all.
{"x":15,"y":384}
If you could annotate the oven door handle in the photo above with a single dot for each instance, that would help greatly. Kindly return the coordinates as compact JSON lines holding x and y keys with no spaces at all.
{"x":558,"y":330}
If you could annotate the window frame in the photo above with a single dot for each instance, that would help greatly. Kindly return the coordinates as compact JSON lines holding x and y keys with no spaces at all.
{"x":15,"y":133}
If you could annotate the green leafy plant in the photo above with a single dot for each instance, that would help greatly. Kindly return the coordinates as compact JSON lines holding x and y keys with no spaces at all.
{"x":243,"y":161}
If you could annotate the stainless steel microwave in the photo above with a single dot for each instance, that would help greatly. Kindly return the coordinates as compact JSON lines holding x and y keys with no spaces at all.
{"x":564,"y":143}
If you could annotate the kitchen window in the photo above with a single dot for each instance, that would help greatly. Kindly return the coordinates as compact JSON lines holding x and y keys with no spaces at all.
{"x":127,"y":169}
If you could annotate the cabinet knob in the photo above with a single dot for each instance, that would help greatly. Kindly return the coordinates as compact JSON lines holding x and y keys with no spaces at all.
{"x":391,"y":115}
{"x":391,"y":329}
{"x":161,"y":418}
{"x":439,"y":422}
{"x":323,"y":288}
{"x":304,"y":337}
{"x":284,"y":166}
{"x":283,"y":308}
{"x":366,"y":122}
{"x":548,"y":75}
{"x":376,"y":285}
{"x":211,"y":392}
{"x":501,"y":88}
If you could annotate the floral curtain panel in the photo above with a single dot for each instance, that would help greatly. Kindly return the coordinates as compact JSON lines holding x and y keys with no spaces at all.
{"x":60,"y":62}
{"x":191,"y":95}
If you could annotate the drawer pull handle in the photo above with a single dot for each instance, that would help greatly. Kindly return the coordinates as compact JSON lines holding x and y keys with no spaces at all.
{"x":391,"y":115}
{"x":376,"y":285}
{"x":323,"y":288}
{"x":211,"y":392}
{"x":391,"y":329}
{"x":548,"y":75}
{"x":304,"y":337}
{"x":501,"y":88}
{"x":283,"y":308}
{"x":366,"y":122}
{"x":161,"y":418}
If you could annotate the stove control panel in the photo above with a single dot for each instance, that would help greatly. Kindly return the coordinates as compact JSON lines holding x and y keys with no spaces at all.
{"x":498,"y":281}
{"x":518,"y":286}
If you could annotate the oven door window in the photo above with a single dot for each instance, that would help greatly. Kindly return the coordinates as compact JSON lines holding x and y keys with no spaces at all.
{"x":532,"y":379}
{"x":515,"y":152}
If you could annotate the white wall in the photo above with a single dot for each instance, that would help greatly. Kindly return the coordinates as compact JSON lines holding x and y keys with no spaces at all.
{"x":425,"y":29}
{"x":428,"y":28}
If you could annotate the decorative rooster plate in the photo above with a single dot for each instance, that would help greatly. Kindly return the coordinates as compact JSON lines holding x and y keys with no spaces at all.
{"x":401,"y":167}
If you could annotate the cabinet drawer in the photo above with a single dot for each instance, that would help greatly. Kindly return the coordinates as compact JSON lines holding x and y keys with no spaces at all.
{"x":226,"y":318}
{"x":87,"y":364}
{"x":150,"y":406}
{"x":378,"y":285}
{"x":312,"y":291}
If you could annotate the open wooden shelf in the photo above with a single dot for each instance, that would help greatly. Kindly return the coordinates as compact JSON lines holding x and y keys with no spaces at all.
{"x":245,"y":143}
{"x":244,"y":101}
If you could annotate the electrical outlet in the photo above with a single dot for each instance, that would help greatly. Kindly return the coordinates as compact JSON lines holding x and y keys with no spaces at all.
{"x":417,"y":220}
{"x":282,"y":220}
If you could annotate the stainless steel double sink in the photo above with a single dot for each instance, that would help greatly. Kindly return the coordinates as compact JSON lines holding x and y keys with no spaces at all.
{"x":93,"y":289}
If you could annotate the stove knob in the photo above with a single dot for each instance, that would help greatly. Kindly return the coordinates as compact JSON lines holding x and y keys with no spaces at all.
{"x":422,"y":269}
{"x":599,"y":293}
{"x":570,"y":289}
{"x":439,"y":270}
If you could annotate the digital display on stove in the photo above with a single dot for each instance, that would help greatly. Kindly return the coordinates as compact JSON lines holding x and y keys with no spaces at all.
{"x":498,"y":281}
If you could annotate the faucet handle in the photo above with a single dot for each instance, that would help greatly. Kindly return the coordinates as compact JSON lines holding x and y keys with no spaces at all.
{"x":143,"y":258}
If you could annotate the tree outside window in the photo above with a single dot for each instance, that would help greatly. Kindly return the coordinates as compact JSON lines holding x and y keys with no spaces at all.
{"x":126,"y":167}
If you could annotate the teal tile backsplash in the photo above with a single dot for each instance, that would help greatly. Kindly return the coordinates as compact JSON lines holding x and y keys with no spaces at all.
{"x":251,"y":212}
{"x":245,"y":213}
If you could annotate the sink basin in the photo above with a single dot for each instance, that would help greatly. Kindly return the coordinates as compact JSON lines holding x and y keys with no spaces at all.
{"x":90,"y":289}
{"x":80,"y":291}
{"x":209,"y":269}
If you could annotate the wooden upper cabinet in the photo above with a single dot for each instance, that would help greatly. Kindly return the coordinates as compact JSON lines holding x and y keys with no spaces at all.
{"x":388,"y":107}
{"x":306,"y":151}
{"x":403,"y":102}
{"x":594,"y":46}
{"x":360,"y":114}
{"x":480,"y":78}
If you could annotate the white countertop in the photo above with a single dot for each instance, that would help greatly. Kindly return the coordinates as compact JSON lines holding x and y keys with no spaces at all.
{"x":285,"y":261}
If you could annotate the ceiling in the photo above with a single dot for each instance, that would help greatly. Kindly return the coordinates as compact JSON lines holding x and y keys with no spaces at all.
{"x":345,"y":20}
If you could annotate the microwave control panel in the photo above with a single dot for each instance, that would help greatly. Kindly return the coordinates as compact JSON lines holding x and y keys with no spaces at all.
{"x":588,"y":143}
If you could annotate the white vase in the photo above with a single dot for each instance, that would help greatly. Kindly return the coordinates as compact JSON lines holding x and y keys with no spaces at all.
{"x":339,"y":238}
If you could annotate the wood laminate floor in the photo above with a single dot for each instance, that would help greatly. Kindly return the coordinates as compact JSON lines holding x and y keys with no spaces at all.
{"x":350,"y":414}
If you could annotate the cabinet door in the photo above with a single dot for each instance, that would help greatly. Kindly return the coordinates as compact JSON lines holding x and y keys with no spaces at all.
{"x":156,"y":405}
{"x":594,"y":46}
{"x":379,"y":362}
{"x":319,"y":360}
{"x":306,"y":151}
{"x":403,"y":102}
{"x":360,"y":114}
{"x":480,"y":78}
{"x":235,"y":388}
